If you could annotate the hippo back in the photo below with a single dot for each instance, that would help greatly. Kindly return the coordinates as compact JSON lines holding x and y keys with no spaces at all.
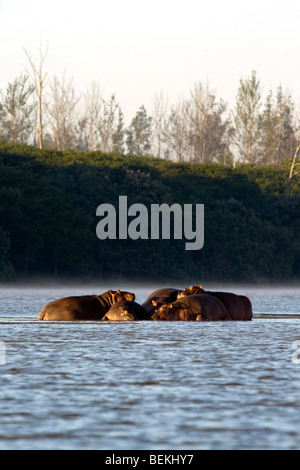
{"x":85,"y":307}
{"x":160,"y":296}
{"x":239,"y":306}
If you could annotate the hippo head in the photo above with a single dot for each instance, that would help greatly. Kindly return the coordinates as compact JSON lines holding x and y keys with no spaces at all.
{"x":192,"y":290}
{"x":119,"y":314}
{"x":174,"y":312}
{"x":162,"y":312}
{"x":119,"y":295}
{"x":126,"y":315}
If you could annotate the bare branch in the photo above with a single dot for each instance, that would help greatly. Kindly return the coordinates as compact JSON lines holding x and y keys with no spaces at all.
{"x":38,"y":77}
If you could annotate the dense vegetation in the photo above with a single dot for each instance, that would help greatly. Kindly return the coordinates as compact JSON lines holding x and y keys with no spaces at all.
{"x":48,"y":218}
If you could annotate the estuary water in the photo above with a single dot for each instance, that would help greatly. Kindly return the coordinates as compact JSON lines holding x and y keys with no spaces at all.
{"x":149,"y":385}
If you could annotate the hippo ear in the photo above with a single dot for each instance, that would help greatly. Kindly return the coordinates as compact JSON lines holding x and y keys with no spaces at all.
{"x":200,"y":285}
{"x":191,"y":287}
{"x":118,"y":291}
{"x":154,"y":303}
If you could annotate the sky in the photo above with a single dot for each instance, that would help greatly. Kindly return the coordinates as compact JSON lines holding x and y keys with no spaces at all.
{"x":136,"y":49}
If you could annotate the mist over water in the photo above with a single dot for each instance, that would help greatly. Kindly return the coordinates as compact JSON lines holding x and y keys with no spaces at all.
{"x":148,"y":385}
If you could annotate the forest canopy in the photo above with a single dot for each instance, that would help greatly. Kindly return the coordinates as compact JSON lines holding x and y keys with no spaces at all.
{"x":48,"y":112}
{"x":48,"y":217}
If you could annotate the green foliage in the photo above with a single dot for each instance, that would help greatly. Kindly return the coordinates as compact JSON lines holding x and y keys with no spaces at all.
{"x":277,"y":134}
{"x":48,"y":202}
{"x":16,"y":112}
{"x":247,"y":118}
{"x":139,"y":133}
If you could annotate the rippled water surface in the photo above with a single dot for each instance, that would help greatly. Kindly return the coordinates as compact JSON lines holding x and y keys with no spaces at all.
{"x":148,"y":385}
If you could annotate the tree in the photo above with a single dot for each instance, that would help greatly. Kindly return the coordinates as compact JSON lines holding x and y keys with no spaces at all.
{"x":247,"y":119}
{"x":206,"y":125}
{"x":292,"y":170}
{"x":110,"y":125}
{"x":118,"y":134}
{"x":62,"y":111}
{"x":138,"y":134}
{"x":39,"y":81}
{"x":90,"y":116}
{"x":16,"y":111}
{"x":100,"y":126}
{"x":175,"y":133}
{"x":269,"y":137}
{"x":277,"y":133}
{"x":160,"y":107}
{"x":196,"y":130}
{"x":286,"y":140}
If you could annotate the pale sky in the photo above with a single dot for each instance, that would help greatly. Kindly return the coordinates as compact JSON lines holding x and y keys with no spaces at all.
{"x":136,"y":49}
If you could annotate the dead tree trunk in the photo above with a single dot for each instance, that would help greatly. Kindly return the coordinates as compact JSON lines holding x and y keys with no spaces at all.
{"x":292,"y":171}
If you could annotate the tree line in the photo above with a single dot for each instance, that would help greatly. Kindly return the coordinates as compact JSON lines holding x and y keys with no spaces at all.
{"x":48,"y":202}
{"x":49,"y":113}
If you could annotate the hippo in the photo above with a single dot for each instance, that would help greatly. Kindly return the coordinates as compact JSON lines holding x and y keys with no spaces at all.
{"x":125,"y":310}
{"x":85,"y":307}
{"x":160,"y":297}
{"x":239,"y":307}
{"x":199,"y":307}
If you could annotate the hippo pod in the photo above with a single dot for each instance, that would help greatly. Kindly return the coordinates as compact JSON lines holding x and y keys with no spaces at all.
{"x":86,"y":307}
{"x":125,"y":310}
{"x":197,"y":307}
{"x":239,"y":307}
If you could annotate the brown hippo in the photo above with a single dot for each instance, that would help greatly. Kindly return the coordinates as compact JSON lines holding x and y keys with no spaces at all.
{"x":86,"y":307}
{"x":125,"y":310}
{"x":238,"y":306}
{"x":201,"y":307}
{"x":160,"y":297}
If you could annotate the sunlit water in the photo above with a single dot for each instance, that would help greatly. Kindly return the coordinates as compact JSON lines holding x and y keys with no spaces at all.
{"x":148,"y":385}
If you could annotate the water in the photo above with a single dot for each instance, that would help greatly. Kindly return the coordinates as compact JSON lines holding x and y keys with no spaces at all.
{"x":148,"y":385}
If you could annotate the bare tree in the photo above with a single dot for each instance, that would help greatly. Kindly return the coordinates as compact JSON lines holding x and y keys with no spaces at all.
{"x":90,"y":116}
{"x":100,"y":126}
{"x":176,"y":132}
{"x":292,"y":170}
{"x":39,"y":76}
{"x":62,"y":111}
{"x":206,"y":124}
